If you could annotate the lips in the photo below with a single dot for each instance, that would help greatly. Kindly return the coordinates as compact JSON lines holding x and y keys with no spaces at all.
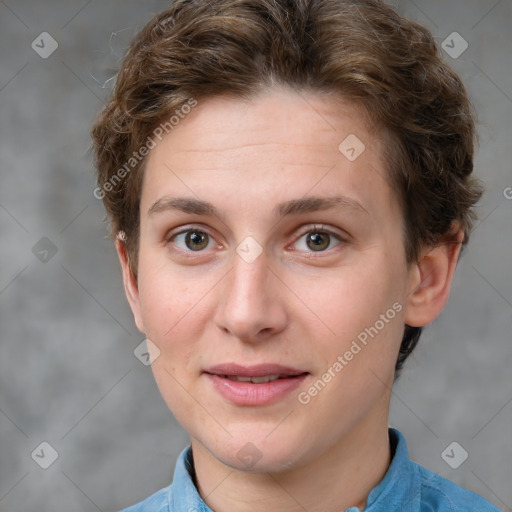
{"x":259,"y":370}
{"x":255,"y":380}
{"x":260,"y":384}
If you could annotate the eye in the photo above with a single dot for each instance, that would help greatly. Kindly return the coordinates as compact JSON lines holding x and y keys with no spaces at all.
{"x":192,"y":240}
{"x":317,"y":240}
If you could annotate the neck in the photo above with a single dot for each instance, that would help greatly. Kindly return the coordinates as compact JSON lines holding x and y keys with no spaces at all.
{"x":335,"y":480}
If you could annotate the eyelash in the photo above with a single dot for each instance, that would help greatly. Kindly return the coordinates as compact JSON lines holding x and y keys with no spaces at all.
{"x":310,"y":229}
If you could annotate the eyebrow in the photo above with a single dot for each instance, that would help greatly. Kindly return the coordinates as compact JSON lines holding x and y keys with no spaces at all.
{"x":291,"y":207}
{"x":187,"y":205}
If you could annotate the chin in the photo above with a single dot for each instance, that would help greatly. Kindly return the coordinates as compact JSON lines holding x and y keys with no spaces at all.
{"x":259,"y":453}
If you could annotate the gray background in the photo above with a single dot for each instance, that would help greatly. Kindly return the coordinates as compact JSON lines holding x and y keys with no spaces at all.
{"x":68,"y":374}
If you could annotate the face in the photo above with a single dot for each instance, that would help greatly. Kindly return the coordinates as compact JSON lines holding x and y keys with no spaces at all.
{"x":268,"y":250}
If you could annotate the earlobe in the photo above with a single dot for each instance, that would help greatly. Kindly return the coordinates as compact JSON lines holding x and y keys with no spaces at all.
{"x":431,"y":279}
{"x":130,"y":283}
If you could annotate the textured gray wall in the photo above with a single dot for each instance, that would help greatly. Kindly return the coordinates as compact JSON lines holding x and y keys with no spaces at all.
{"x":68,"y":375}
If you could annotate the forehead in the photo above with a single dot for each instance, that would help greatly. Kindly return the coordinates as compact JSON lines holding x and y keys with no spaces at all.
{"x":281,"y":143}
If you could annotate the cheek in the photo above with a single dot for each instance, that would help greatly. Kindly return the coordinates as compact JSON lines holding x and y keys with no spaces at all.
{"x":165,"y":301}
{"x":170,"y":312}
{"x":349,"y":299}
{"x":175,"y":308}
{"x":358,"y":310}
{"x":173,"y":315}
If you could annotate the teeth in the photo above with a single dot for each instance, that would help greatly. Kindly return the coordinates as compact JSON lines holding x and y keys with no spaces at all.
{"x":254,"y":380}
{"x":241,"y":379}
{"x":266,"y":378}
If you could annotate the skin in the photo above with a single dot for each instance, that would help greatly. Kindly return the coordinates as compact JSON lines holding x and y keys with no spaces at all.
{"x":292,"y":305}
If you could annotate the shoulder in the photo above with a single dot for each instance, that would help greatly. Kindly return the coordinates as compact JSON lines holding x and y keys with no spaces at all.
{"x":157,"y":502}
{"x":440,"y":495}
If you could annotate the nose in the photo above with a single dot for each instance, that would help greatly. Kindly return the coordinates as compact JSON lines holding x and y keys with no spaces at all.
{"x":251,"y":307}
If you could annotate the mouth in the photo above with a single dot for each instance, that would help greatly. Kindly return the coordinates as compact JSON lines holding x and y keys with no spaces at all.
{"x":257,"y":374}
{"x":261,"y":384}
{"x":255,"y":380}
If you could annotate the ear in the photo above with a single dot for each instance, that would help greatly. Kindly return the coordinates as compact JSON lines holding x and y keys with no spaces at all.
{"x":131,"y":287}
{"x":431,"y":279}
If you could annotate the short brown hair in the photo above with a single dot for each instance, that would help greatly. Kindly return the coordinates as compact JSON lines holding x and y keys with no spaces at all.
{"x":361,"y":50}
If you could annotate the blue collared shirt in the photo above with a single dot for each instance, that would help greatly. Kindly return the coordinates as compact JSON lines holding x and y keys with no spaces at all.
{"x":406,"y":486}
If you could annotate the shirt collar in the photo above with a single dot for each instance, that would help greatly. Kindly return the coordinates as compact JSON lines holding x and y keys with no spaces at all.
{"x":398,"y":490}
{"x":184,"y":496}
{"x":400,"y":487}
